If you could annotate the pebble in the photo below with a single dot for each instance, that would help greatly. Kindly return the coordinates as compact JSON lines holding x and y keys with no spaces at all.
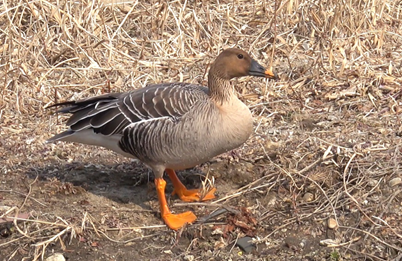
{"x":395,"y":181}
{"x":245,"y":244}
{"x":295,"y":242}
{"x":270,"y":200}
{"x":308,"y":197}
{"x":189,"y":258}
{"x":4,"y":208}
{"x":56,"y":257}
{"x":372,"y":182}
{"x":332,"y":224}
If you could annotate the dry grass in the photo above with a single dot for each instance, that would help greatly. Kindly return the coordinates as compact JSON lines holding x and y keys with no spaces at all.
{"x":331,"y":126}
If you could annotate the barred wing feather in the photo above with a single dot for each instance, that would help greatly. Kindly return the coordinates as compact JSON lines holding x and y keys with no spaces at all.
{"x":110,"y":114}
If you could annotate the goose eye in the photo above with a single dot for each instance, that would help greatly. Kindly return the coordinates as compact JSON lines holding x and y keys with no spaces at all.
{"x":240,"y":56}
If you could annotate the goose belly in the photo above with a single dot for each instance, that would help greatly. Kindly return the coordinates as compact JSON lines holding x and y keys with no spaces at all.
{"x":89,"y":137}
{"x":195,"y":140}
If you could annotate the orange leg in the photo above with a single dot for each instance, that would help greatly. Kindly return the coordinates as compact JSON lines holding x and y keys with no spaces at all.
{"x":174,"y":221}
{"x":185,"y":194}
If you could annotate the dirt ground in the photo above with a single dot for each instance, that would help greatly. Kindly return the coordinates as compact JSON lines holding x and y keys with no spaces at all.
{"x":320,"y":178}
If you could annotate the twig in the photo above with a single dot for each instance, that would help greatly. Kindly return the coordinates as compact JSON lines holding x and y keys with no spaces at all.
{"x":347,"y":192}
{"x":29,"y":192}
{"x":22,"y":194}
{"x":373,"y":236}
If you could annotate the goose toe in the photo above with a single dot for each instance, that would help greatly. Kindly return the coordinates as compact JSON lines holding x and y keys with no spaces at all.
{"x":176,"y":221}
{"x":192,"y":195}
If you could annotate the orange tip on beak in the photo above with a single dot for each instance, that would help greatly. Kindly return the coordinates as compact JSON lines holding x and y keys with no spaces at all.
{"x":270,"y":74}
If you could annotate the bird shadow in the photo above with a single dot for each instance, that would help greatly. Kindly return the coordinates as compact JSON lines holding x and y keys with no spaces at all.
{"x":128,"y":182}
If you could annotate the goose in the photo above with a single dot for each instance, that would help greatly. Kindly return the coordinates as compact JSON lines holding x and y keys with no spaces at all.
{"x":170,"y":126}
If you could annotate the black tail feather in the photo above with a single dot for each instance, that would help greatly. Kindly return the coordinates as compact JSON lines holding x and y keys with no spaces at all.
{"x":60,"y":136}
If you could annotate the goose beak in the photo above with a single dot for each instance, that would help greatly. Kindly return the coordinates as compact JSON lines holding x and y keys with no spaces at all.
{"x":258,"y":70}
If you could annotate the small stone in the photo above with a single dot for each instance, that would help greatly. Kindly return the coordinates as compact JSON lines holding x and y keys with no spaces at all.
{"x":4,"y":208}
{"x":332,"y":224}
{"x":189,"y":258}
{"x":295,"y":242}
{"x":270,"y":200}
{"x":372,"y":182}
{"x":394,"y":182}
{"x":332,"y":118}
{"x":56,"y":257}
{"x":245,"y":244}
{"x":308,"y":197}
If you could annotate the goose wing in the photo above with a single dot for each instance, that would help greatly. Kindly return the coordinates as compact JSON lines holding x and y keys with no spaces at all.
{"x":110,"y":114}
